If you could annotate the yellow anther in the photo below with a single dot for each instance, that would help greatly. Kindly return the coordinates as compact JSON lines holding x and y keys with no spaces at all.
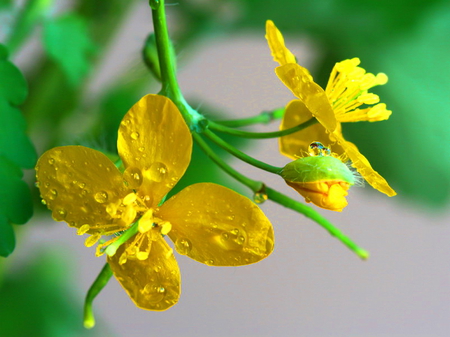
{"x":129,"y":199}
{"x":165,"y":228}
{"x":92,"y":240}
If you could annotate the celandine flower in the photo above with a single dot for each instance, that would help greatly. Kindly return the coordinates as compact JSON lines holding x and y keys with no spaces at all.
{"x":346,"y":92}
{"x":207,"y":222}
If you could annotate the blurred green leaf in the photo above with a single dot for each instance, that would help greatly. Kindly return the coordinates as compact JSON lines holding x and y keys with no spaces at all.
{"x":413,"y":150}
{"x":32,"y":13}
{"x":16,"y":151}
{"x":68,"y":43}
{"x":7,"y":238}
{"x":14,"y":144}
{"x":16,"y":204}
{"x":40,"y":301}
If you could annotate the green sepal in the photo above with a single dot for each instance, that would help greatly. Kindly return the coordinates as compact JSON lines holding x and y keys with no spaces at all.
{"x":316,"y":168}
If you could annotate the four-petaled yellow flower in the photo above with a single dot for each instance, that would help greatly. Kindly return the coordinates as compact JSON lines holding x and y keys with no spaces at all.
{"x":346,"y":91}
{"x":207,"y":222}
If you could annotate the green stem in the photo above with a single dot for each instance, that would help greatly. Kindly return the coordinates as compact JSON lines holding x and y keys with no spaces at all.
{"x":241,"y":155}
{"x":169,"y":81}
{"x":315,"y":216}
{"x":257,"y":186}
{"x":252,"y":184}
{"x":112,"y":248}
{"x":99,"y":283}
{"x":170,"y":87}
{"x":263,"y":118}
{"x":246,"y":134}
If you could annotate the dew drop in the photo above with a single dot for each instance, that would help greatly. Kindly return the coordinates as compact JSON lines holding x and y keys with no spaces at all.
{"x":51,"y":161}
{"x":141,"y":149}
{"x":318,"y":149}
{"x":235,"y":231}
{"x":47,"y":185}
{"x":81,"y":185}
{"x":133,"y":177}
{"x":183,"y":246}
{"x":225,"y":236}
{"x":240,"y":240}
{"x":59,"y":214}
{"x":101,"y":197}
{"x":209,"y":262}
{"x":44,"y":202}
{"x":260,"y":197}
{"x":157,"y":171}
{"x":134,"y":135}
{"x":155,"y":293}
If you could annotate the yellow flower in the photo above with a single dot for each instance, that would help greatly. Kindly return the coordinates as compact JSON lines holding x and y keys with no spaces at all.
{"x":207,"y":222}
{"x":345,"y":93}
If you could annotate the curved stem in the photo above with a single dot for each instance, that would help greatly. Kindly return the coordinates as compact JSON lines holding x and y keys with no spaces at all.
{"x":263,"y":118}
{"x":312,"y":214}
{"x":246,"y":134}
{"x":241,"y":155}
{"x":99,"y":283}
{"x":252,"y":184}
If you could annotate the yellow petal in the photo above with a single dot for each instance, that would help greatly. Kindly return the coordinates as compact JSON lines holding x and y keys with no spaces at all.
{"x":155,"y":145}
{"x":280,"y":53}
{"x":78,"y":184}
{"x":364,"y":168}
{"x":217,"y":226}
{"x":328,"y":194}
{"x":300,"y":82}
{"x":153,"y":283}
{"x":297,"y":144}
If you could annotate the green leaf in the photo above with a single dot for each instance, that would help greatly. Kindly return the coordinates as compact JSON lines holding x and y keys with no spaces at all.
{"x":16,"y":205}
{"x":68,"y":43}
{"x":7,"y":239}
{"x":14,"y":143}
{"x":16,"y":151}
{"x":16,"y":202}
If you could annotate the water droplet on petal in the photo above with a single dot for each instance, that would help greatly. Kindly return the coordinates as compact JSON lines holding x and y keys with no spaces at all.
{"x":155,"y":293}
{"x":44,"y":202}
{"x":51,"y":161}
{"x":133,"y":177}
{"x":157,"y":171}
{"x":134,"y":135}
{"x":240,"y":240}
{"x":209,"y":262}
{"x":101,"y":197}
{"x":225,"y":236}
{"x":235,"y":231}
{"x":318,"y":149}
{"x":141,"y":149}
{"x":59,"y":214}
{"x":183,"y":246}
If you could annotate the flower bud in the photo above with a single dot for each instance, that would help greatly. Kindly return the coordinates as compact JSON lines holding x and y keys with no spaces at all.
{"x":321,"y":179}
